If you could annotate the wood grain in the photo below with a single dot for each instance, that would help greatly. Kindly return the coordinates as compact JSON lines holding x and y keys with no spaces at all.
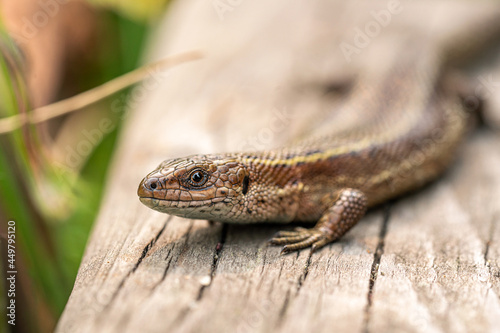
{"x":425,"y":263}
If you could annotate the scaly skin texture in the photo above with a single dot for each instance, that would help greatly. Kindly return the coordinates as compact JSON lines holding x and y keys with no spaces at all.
{"x":406,"y":137}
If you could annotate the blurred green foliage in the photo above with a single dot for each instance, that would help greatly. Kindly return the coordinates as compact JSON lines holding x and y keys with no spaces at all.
{"x":136,"y":10}
{"x":49,"y":245}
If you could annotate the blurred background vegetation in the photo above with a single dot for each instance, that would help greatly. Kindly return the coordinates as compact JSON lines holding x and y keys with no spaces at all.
{"x":52,"y":174}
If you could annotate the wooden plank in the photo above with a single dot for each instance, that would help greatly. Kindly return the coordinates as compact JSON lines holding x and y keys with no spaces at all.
{"x":428,"y":263}
{"x":438,"y":272}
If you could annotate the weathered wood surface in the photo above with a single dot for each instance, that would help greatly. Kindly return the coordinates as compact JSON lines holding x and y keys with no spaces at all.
{"x":428,"y":262}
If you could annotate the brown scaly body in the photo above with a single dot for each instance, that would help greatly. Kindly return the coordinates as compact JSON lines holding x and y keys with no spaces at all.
{"x":409,"y":131}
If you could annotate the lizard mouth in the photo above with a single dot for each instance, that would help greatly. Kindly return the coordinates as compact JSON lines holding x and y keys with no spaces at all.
{"x":193,"y":210}
{"x":149,"y":201}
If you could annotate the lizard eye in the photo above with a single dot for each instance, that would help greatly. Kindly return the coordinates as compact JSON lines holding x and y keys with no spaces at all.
{"x":197,"y":178}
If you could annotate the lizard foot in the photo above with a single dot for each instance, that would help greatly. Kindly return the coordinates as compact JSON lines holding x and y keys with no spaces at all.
{"x":300,"y":238}
{"x":349,"y":206}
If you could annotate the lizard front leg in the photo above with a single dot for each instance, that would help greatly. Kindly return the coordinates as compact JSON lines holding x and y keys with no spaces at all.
{"x":346,"y":211}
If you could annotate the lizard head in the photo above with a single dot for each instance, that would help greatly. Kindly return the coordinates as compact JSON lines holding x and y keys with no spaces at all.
{"x":198,"y":186}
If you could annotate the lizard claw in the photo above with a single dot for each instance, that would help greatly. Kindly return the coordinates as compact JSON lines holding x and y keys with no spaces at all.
{"x":299,"y":239}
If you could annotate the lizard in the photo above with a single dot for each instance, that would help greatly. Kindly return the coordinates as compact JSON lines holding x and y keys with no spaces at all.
{"x":411,"y":127}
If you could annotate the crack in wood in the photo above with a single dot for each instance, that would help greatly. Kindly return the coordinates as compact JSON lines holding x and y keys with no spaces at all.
{"x":217,"y":252}
{"x":169,"y":263}
{"x":377,"y":256}
{"x":304,"y":274}
{"x":183,"y":313}
{"x":486,"y":252}
{"x":457,"y":260}
{"x":490,"y":238}
{"x":264,"y":257}
{"x":185,"y":244}
{"x":165,"y":270}
{"x":281,"y":269}
{"x":143,"y":255}
{"x":300,"y":282}
{"x":260,"y":283}
{"x":284,"y":307}
{"x":149,"y":246}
